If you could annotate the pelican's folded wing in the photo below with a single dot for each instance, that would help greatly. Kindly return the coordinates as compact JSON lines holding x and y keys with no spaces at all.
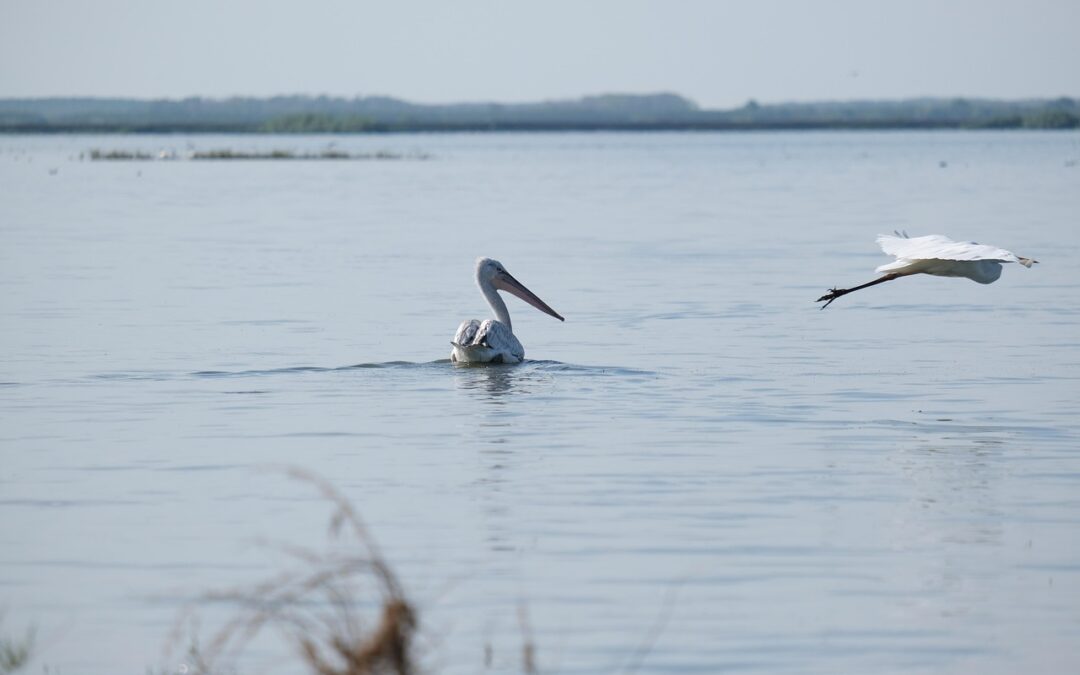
{"x":938,"y":247}
{"x":493,"y":334}
{"x":487,"y":333}
{"x":466,"y":333}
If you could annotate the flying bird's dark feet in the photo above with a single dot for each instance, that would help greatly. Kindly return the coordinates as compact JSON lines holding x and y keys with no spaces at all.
{"x":833,"y":294}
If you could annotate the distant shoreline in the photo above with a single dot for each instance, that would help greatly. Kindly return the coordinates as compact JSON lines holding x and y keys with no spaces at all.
{"x":151,"y":130}
{"x":193,"y":131}
{"x":637,"y":130}
{"x":611,"y":112}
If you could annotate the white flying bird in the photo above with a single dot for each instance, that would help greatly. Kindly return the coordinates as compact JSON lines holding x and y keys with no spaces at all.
{"x":493,"y":341}
{"x":937,"y":255}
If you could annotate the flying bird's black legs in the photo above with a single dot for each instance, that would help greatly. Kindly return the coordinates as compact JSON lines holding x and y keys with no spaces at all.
{"x":837,"y":292}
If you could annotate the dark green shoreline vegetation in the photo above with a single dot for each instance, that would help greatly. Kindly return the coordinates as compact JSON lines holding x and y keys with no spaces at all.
{"x":615,"y":112}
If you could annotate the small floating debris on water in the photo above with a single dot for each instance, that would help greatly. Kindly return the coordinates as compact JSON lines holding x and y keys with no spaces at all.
{"x":227,"y":154}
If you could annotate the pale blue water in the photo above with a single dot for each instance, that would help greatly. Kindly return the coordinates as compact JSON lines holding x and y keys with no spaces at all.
{"x":698,"y":456}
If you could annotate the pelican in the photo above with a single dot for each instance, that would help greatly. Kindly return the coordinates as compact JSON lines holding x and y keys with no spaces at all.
{"x":493,"y":341}
{"x":939,"y":256}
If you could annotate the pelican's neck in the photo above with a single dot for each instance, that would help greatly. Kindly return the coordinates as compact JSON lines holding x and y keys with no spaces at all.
{"x":495,"y":301}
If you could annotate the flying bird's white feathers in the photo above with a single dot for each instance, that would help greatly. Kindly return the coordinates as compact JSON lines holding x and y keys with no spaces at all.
{"x":938,"y":247}
{"x":937,"y":256}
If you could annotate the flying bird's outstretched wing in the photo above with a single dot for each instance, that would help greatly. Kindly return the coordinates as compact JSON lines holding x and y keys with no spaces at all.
{"x":938,"y":247}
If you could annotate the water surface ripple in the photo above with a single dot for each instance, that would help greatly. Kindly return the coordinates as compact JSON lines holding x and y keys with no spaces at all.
{"x":697,"y":459}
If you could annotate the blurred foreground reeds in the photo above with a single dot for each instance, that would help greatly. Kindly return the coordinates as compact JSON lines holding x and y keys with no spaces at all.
{"x":345,"y":610}
{"x":15,"y":652}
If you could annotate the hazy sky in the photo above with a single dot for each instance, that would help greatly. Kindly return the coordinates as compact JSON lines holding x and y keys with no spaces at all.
{"x":718,"y":53}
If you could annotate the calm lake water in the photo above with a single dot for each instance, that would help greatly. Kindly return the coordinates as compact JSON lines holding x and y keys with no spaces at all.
{"x":698,"y":459}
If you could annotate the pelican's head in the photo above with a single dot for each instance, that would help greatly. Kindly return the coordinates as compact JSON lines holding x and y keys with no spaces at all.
{"x":492,"y":273}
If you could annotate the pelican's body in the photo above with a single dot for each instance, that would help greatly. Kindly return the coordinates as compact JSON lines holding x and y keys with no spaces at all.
{"x":939,"y":256}
{"x":488,"y":341}
{"x":493,"y":340}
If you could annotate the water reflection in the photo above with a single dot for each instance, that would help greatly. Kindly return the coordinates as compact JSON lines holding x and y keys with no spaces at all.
{"x":955,"y":473}
{"x":490,"y":382}
{"x":953,"y":508}
{"x":497,"y":456}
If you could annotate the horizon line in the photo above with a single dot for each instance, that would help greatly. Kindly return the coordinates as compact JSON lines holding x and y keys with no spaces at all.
{"x":563,"y":99}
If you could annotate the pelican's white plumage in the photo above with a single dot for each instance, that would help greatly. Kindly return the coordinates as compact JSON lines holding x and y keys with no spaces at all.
{"x":493,"y":340}
{"x":487,"y":341}
{"x":936,"y":255}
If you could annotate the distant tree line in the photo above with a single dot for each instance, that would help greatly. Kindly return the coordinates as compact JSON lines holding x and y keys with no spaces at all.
{"x":316,"y":123}
{"x":322,"y":114}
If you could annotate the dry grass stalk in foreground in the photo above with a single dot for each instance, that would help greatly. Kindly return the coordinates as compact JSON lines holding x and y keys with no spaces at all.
{"x":14,"y":654}
{"x":316,"y":606}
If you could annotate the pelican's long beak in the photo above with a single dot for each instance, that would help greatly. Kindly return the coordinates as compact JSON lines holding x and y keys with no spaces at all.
{"x":504,"y":282}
